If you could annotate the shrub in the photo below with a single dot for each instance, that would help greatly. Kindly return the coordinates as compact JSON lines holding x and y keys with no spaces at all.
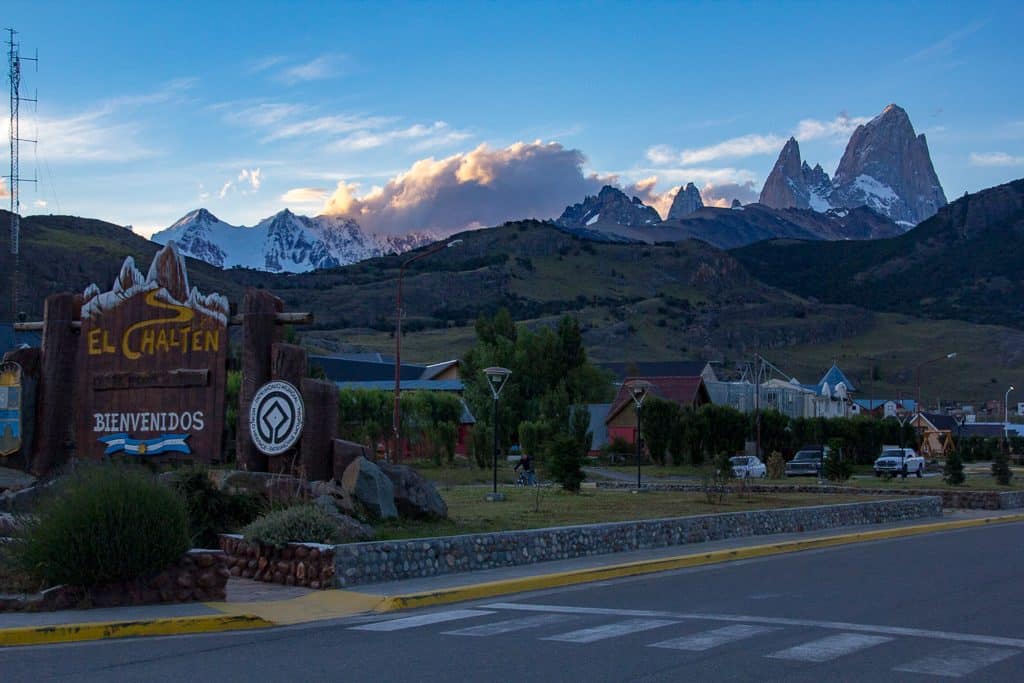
{"x":776,"y":466}
{"x":1001,"y":468}
{"x":103,"y":525}
{"x":565,"y":462}
{"x":953,"y":471}
{"x":302,"y":523}
{"x":210,"y":510}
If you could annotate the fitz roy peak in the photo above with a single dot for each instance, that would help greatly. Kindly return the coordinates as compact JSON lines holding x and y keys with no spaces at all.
{"x":886,"y":167}
{"x":285,"y":242}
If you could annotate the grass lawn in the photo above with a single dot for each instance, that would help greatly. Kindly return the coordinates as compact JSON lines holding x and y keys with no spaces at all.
{"x":470,"y":513}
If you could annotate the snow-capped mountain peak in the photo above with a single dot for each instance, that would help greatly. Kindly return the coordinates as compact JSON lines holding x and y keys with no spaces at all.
{"x":284,"y":242}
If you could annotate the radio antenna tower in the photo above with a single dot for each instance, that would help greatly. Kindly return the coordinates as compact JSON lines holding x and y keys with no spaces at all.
{"x":14,"y":60}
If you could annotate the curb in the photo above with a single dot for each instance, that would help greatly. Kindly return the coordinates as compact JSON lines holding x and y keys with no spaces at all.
{"x":577,"y":576}
{"x":68,"y":633}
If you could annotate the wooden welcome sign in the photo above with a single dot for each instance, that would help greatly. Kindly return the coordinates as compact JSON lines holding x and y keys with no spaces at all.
{"x":151,"y":366}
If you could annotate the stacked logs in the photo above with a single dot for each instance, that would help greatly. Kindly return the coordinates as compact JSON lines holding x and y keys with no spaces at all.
{"x":310,"y":565}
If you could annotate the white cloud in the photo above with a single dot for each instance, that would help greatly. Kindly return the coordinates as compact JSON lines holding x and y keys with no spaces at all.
{"x":994,"y":159}
{"x":304,"y":195}
{"x":40,"y":203}
{"x":718,"y":194}
{"x":327,"y":125}
{"x":944,"y":47}
{"x":734,"y":148}
{"x":259,"y":115}
{"x":485,"y":186}
{"x":4,"y":192}
{"x":722,"y":194}
{"x":320,"y":68}
{"x":438,"y":134}
{"x":840,"y":127}
{"x":203,"y":194}
{"x":225,"y":189}
{"x":253,"y":177}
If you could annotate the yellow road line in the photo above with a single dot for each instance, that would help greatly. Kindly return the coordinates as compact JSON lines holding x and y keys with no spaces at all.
{"x":66,"y":633}
{"x":577,"y":576}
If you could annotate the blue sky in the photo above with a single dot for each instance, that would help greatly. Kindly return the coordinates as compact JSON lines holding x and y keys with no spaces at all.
{"x":428,"y":116}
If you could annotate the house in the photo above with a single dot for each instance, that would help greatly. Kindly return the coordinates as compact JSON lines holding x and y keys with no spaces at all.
{"x":689,"y":392}
{"x":883,"y":407}
{"x":936,"y":432}
{"x":672,"y":368}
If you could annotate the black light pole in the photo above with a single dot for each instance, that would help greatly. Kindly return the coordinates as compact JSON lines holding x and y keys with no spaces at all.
{"x":638,"y":391}
{"x":496,"y":379}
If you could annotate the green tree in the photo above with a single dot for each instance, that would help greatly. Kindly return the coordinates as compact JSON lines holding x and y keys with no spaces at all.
{"x":658,"y":421}
{"x":727,"y":429}
{"x":1001,"y":467}
{"x":953,"y":471}
{"x":564,"y":461}
{"x":775,"y":435}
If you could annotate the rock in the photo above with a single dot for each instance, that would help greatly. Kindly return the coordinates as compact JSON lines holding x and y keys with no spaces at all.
{"x":365,"y":482}
{"x":686,"y":201}
{"x":273,"y":487}
{"x":611,"y":205}
{"x":415,"y":496}
{"x":794,"y":184}
{"x":26,"y":499}
{"x":14,"y":480}
{"x":345,"y":452}
{"x":351,"y":530}
{"x":342,"y":498}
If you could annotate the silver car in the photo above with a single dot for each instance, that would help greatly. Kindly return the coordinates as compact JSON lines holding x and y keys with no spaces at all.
{"x":747,"y":467}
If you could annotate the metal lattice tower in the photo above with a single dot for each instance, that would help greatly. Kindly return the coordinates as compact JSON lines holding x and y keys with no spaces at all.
{"x":14,"y":60}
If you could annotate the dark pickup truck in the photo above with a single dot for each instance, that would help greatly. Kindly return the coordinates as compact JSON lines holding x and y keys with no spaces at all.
{"x":807,"y":462}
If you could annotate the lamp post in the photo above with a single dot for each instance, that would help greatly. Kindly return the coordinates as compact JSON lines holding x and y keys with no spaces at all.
{"x":917,"y":373}
{"x":1006,"y":420}
{"x":638,"y":392}
{"x":496,"y":380}
{"x":396,"y":414}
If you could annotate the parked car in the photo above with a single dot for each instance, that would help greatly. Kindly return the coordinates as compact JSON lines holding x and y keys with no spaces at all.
{"x":898,"y":461}
{"x":747,"y":467}
{"x":807,"y":462}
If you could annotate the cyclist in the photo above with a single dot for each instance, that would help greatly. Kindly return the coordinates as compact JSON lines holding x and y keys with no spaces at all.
{"x":526,"y":462}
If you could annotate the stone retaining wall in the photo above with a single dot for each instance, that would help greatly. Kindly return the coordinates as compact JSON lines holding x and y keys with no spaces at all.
{"x":971,"y":499}
{"x":199,"y":576}
{"x":296,"y":564}
{"x":363,"y":563}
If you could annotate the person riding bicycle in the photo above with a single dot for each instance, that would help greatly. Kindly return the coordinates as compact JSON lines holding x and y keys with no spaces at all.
{"x":526,"y":462}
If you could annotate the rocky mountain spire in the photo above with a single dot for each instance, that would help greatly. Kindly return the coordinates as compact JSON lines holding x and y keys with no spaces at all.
{"x":611,"y":205}
{"x":887,"y":167}
{"x":793,"y":183}
{"x":686,"y":201}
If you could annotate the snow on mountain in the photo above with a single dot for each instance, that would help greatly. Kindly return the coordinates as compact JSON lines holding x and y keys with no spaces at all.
{"x":284,"y":242}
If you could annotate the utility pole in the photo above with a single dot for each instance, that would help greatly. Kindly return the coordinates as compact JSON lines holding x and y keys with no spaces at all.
{"x":14,"y":60}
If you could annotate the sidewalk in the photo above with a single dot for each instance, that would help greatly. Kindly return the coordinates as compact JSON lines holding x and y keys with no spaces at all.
{"x":252,"y":604}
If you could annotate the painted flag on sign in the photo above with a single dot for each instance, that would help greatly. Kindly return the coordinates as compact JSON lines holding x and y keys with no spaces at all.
{"x":165,"y":443}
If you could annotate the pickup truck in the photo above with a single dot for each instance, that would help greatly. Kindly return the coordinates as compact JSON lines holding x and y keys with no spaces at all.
{"x":808,"y":461}
{"x":898,"y":461}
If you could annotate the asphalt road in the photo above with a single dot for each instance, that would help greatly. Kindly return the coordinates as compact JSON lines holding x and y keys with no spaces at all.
{"x":929,"y":607}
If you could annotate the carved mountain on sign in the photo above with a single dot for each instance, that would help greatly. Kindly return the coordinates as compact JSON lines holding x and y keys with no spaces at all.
{"x":167,"y":276}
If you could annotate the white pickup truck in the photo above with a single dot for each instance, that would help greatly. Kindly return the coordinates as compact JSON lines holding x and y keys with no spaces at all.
{"x":898,"y":461}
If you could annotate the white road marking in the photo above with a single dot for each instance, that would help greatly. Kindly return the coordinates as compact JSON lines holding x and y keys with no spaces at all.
{"x":512,"y":625}
{"x":699,"y":642}
{"x":613,"y":630}
{"x":957,"y":662}
{"x":421,"y":620}
{"x":773,"y":621}
{"x":830,"y":647}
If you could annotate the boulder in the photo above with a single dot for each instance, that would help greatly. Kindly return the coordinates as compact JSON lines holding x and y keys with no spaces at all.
{"x":26,"y":499}
{"x":352,"y":530}
{"x":345,"y":452}
{"x":342,"y":499}
{"x":415,"y":496}
{"x":365,"y":482}
{"x":273,"y":487}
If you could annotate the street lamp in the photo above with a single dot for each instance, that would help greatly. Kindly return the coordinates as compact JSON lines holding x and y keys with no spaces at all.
{"x":1006,"y":419}
{"x":496,"y":380}
{"x":917,"y":372}
{"x":638,"y":392}
{"x":396,"y":414}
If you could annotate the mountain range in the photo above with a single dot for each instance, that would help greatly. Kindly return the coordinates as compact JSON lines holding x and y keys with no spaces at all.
{"x":886,"y":167}
{"x":285,"y":242}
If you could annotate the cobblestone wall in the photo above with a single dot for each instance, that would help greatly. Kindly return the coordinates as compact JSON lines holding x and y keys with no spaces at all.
{"x":363,"y":563}
{"x":951,"y":498}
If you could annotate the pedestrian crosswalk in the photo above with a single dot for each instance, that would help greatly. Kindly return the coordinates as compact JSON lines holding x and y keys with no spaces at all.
{"x":953,"y":655}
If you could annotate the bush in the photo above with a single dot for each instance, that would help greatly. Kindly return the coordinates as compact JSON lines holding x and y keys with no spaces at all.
{"x":837,"y":467}
{"x":302,"y":523}
{"x":565,"y":462}
{"x":776,"y":466}
{"x":953,"y":471}
{"x":210,"y":510}
{"x":105,"y":524}
{"x":1001,"y":468}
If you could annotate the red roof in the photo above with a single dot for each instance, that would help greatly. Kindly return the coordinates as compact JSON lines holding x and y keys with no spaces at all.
{"x":686,"y":391}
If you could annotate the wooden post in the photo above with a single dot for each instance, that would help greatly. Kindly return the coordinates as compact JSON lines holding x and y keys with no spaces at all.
{"x":259,"y":332}
{"x":288,"y":363}
{"x":317,"y":447}
{"x":56,"y":422}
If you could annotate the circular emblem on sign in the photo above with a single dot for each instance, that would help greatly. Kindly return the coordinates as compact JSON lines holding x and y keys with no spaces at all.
{"x":275,"y":417}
